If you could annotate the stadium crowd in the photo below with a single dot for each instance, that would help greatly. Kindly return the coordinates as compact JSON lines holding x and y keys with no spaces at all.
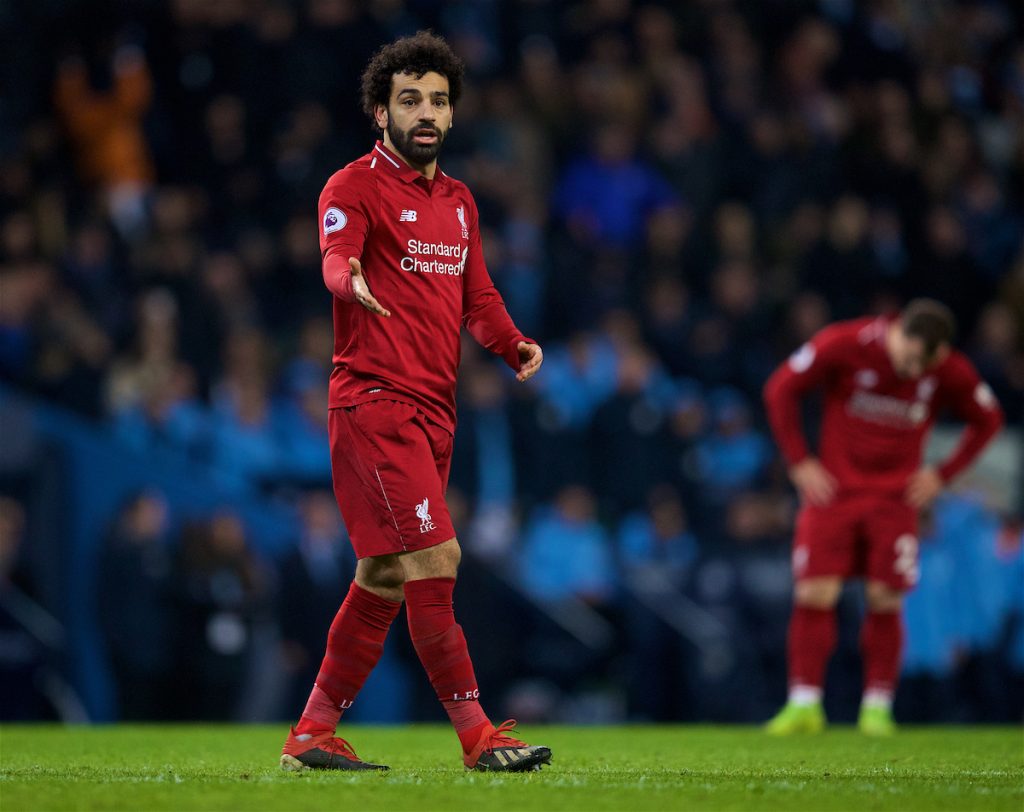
{"x":674,"y":197}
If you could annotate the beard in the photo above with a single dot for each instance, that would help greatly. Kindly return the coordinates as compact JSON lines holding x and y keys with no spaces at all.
{"x":418,"y":154}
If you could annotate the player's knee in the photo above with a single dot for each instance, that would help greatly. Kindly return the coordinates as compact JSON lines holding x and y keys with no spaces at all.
{"x":449,"y":556}
{"x":817,"y":593}
{"x":440,"y":561}
{"x":385,"y":577}
{"x":882,"y":597}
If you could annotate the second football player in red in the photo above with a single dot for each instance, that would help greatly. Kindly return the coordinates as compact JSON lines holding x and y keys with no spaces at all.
{"x":885,"y":380}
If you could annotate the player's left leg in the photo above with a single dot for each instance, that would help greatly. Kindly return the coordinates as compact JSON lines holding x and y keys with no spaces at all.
{"x":892,"y":569}
{"x":881,"y":642}
{"x":441,"y":645}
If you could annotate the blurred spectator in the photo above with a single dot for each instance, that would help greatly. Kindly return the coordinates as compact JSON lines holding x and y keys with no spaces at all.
{"x":106,"y":129}
{"x":23,"y":652}
{"x":667,"y":321}
{"x":246,"y":444}
{"x":312,"y":585}
{"x":222,"y":596}
{"x":930,"y":659}
{"x":152,"y":394}
{"x":136,"y":611}
{"x":658,"y":539}
{"x":566,"y":552}
{"x":960,"y":616}
{"x":997,"y":348}
{"x":605,"y":195}
{"x":841,"y":267}
{"x":484,"y":451}
{"x":734,"y":454}
{"x":655,"y":552}
{"x":629,"y":432}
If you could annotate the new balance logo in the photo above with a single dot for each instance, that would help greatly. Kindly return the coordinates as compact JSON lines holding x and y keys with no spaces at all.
{"x":423,"y":514}
{"x":407,"y":216}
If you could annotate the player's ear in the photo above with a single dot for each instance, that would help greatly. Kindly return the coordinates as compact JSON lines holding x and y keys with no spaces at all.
{"x":941,"y":354}
{"x":380,"y":115}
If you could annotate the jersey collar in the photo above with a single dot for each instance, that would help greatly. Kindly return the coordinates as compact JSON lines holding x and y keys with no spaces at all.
{"x":396,"y":166}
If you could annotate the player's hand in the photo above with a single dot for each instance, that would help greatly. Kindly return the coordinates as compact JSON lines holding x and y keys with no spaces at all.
{"x":362,"y":290}
{"x":924,"y":485}
{"x":531,"y":356}
{"x":815,"y":484}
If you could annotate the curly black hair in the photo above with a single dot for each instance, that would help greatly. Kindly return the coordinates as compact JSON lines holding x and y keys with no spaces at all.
{"x":421,"y":53}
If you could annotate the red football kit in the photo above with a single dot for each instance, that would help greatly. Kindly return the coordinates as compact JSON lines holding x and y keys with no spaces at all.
{"x":392,"y":392}
{"x":873,"y":431}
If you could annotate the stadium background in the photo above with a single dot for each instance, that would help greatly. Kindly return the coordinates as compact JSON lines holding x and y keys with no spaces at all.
{"x":674,"y":197}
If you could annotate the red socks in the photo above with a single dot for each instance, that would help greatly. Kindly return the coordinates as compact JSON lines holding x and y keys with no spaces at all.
{"x":812,"y":637}
{"x":354,"y":645}
{"x":442,"y":649}
{"x":881,"y":645}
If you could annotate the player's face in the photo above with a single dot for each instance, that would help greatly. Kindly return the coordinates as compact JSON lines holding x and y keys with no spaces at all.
{"x":418,"y":116}
{"x":909,"y":355}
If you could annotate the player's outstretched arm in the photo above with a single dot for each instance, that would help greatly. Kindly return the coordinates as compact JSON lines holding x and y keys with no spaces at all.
{"x":361,"y":290}
{"x":531,"y":356}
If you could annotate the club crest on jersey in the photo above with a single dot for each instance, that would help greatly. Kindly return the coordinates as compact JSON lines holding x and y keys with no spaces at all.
{"x":460,"y":212}
{"x":334,"y":220}
{"x":407,"y":216}
{"x":423,"y":514}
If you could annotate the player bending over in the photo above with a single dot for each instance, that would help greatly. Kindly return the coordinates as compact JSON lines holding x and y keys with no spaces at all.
{"x":393,"y":223}
{"x":884,"y":381}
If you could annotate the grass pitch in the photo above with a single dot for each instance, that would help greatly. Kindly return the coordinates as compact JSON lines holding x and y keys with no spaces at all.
{"x":224,"y":767}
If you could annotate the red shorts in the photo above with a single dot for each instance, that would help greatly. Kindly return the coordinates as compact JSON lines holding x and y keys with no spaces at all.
{"x":390,"y":467}
{"x":858,"y":537}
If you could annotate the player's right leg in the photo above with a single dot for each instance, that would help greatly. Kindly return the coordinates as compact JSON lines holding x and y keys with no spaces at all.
{"x":823,"y":551}
{"x":355,"y":643}
{"x":811,"y":639}
{"x":356,"y":638}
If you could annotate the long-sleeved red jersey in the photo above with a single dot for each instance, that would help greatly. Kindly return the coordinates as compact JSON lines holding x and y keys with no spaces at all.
{"x":875,"y":423}
{"x":418,"y":241}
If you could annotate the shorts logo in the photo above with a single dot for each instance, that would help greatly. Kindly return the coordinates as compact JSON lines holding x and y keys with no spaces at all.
{"x":407,"y":216}
{"x":460,"y":212}
{"x":334,"y":220}
{"x":906,"y":563}
{"x":423,"y":514}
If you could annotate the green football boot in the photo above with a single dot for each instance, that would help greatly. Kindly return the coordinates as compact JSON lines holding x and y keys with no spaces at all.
{"x":875,"y":721}
{"x":795,"y":719}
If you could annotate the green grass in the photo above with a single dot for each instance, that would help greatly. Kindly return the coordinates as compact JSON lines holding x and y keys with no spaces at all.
{"x":222,"y":767}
